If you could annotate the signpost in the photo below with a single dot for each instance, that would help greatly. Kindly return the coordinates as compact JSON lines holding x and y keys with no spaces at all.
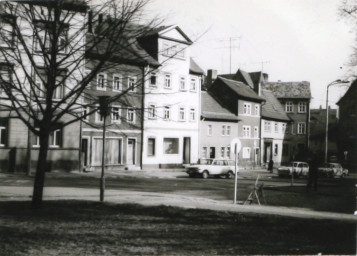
{"x":236,"y":145}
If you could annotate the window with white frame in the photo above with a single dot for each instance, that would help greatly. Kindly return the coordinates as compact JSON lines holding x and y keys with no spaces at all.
{"x":182,"y":83}
{"x":167,"y":84}
{"x":153,"y":79}
{"x":182,"y":114}
{"x":246,"y":152}
{"x":276,"y":127}
{"x":193,"y":84}
{"x":6,"y":34}
{"x":283,"y":128}
{"x":192,"y":114}
{"x":302,"y":107}
{"x":228,"y":132}
{"x":247,"y":109}
{"x":167,"y":113}
{"x":130,"y":116}
{"x":115,"y":114}
{"x":39,"y":86}
{"x":256,"y":132}
{"x":301,"y":128}
{"x":289,"y":107}
{"x":267,"y":127}
{"x":58,"y":92}
{"x":222,"y":151}
{"x":246,"y":131}
{"x":2,"y":136}
{"x":287,"y":128}
{"x":131,"y":83}
{"x":152,"y":111}
{"x":257,"y":112}
{"x":209,"y":130}
{"x":5,"y":73}
{"x":204,"y":152}
{"x":98,"y":117}
{"x":228,"y":151}
{"x":223,"y":133}
{"x":117,"y":83}
{"x":55,"y":139}
{"x":101,"y":81}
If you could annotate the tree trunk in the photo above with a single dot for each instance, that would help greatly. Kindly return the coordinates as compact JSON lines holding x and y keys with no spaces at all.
{"x":40,"y":172}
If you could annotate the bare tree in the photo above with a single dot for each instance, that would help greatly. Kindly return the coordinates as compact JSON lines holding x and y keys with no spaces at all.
{"x":348,"y":11}
{"x":44,"y":49}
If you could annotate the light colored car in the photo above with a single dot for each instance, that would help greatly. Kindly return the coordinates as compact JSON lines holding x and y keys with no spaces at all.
{"x":296,"y":168}
{"x":215,"y":167}
{"x":332,"y":170}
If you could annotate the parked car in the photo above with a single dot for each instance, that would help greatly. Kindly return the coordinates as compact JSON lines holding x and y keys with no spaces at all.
{"x":332,"y":170}
{"x":215,"y":167}
{"x":298,"y":169}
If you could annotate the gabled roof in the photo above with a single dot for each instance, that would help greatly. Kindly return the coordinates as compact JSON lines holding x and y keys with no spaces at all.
{"x":130,"y":52}
{"x":240,"y":89}
{"x":244,"y":77}
{"x":349,"y":93}
{"x":160,"y":31}
{"x":212,"y":108}
{"x":195,"y":68}
{"x":289,"y":90}
{"x":256,"y":77}
{"x":272,"y":109}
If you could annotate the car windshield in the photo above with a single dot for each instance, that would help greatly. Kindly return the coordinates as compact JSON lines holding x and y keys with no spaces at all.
{"x":205,"y":161}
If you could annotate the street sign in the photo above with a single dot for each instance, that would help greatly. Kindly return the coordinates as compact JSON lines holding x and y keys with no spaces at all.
{"x":236,"y":145}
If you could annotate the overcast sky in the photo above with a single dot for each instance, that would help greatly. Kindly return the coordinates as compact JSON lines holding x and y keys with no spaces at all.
{"x":291,"y":40}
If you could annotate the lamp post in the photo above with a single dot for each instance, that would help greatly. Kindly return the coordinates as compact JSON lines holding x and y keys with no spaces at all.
{"x":338,"y":81}
{"x":104,"y":111}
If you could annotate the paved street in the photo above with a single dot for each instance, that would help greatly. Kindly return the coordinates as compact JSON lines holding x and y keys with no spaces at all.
{"x":334,"y":198}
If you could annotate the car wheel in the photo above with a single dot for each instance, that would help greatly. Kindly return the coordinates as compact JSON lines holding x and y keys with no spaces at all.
{"x":230,"y":175}
{"x":205,"y":174}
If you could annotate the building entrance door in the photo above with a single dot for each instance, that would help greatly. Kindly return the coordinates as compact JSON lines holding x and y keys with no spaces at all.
{"x":186,"y":150}
{"x":131,"y":151}
{"x":212,"y":152}
{"x":267,"y":152}
{"x":84,"y":151}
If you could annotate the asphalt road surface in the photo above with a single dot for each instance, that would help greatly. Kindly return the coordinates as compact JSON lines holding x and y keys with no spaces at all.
{"x":336,"y":195}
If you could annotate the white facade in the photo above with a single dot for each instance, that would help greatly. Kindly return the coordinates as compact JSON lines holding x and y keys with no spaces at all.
{"x":172,"y":105}
{"x":272,"y":134}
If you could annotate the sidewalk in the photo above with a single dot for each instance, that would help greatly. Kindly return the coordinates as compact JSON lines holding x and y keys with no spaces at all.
{"x":14,"y":193}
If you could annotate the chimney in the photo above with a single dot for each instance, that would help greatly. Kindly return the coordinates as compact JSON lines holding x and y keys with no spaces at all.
{"x":265,"y":77}
{"x":211,"y":77}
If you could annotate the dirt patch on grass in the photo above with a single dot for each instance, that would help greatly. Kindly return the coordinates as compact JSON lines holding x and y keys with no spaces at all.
{"x":90,"y":228}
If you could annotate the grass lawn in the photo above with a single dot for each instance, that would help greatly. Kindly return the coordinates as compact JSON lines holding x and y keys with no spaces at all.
{"x":91,"y":228}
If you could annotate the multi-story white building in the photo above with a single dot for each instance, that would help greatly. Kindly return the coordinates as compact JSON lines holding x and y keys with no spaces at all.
{"x":171,"y":100}
{"x":273,"y":128}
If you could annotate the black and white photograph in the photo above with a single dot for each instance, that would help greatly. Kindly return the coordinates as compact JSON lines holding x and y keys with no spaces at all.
{"x":178,"y":127}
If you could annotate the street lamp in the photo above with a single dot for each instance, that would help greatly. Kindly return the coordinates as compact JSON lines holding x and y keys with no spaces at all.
{"x":338,"y":81}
